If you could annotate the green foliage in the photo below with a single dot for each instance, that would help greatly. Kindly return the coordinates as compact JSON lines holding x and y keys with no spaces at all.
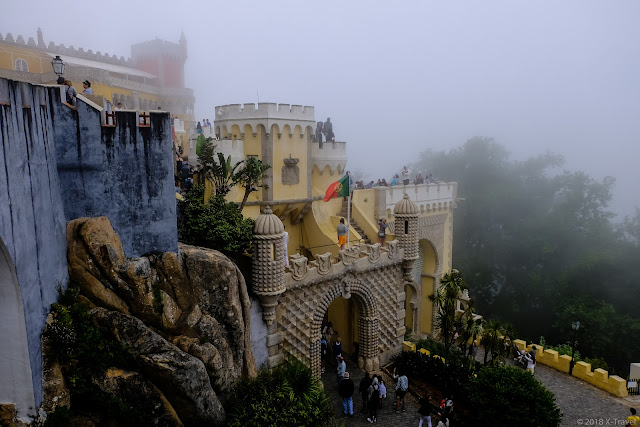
{"x":84,"y":354}
{"x":250,"y":177}
{"x":58,"y":418}
{"x":433,"y":346}
{"x":450,"y":374}
{"x":538,"y":242}
{"x":493,"y":332}
{"x":445,"y":302}
{"x":287,"y":396}
{"x":217,"y":225}
{"x":508,"y":396}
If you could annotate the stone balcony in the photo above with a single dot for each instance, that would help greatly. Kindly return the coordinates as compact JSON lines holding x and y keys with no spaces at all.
{"x":428,"y":197}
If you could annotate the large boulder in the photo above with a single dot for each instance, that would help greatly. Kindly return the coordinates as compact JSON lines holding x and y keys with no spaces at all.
{"x":196,"y":299}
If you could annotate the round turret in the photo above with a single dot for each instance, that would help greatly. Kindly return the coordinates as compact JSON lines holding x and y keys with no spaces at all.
{"x":406,"y":226}
{"x":405,"y":206}
{"x":267,"y":224}
{"x":268,"y":262}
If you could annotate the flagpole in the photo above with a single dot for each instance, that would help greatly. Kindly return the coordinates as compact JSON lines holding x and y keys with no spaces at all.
{"x":348,"y":216}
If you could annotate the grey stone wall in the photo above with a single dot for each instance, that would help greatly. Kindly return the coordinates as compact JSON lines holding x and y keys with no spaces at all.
{"x":124,"y":173}
{"x":32,"y":222}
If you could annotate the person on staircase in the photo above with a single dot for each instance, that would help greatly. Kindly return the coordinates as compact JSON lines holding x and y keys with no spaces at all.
{"x":382,"y":230}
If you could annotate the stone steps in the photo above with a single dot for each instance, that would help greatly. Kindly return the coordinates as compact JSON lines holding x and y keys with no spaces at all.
{"x":354,"y":224}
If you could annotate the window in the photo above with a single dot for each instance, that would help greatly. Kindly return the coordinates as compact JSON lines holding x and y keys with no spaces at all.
{"x":21,"y":65}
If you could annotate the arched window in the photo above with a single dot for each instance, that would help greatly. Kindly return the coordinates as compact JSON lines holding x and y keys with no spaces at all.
{"x":21,"y":65}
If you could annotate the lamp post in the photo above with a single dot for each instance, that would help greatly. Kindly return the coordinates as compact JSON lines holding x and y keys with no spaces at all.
{"x":575,"y":325}
{"x":58,"y":65}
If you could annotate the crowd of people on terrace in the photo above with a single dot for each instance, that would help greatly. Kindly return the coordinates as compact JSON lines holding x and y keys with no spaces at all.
{"x":396,"y":180}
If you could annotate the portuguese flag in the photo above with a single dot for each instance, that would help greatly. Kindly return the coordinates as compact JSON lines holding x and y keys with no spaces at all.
{"x":339,"y":188}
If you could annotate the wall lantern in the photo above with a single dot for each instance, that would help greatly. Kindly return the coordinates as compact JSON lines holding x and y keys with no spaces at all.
{"x":58,"y":65}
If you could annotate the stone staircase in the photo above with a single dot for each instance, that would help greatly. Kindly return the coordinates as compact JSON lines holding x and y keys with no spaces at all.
{"x":354,"y":224}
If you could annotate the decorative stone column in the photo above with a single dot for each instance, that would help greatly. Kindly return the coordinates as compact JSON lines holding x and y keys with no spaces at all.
{"x":268,"y":276}
{"x":406,"y":229}
{"x":369,"y":358}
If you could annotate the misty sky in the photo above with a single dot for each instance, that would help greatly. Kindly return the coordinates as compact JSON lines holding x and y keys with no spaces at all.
{"x":399,"y":77}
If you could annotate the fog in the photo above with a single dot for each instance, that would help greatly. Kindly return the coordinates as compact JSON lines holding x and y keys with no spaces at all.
{"x":395,"y":80}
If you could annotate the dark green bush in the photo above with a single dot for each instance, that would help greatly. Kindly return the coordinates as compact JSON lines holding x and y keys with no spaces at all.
{"x":450,"y":374}
{"x":508,"y":396}
{"x":287,"y":396}
{"x":435,"y":347}
{"x":216,"y":225}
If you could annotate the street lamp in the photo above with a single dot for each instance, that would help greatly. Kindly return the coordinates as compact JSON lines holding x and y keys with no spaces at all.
{"x":575,"y":325}
{"x":58,"y":65}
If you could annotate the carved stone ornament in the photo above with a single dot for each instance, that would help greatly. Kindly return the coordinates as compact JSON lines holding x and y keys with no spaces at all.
{"x":324,"y":263}
{"x":346,"y":289}
{"x":349,"y":256}
{"x":290,"y":171}
{"x":392,"y":247}
{"x":374,"y":252}
{"x":299,"y":267}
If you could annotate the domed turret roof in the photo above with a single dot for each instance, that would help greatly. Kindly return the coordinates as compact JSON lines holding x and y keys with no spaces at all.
{"x":405,"y":206}
{"x":267,"y":223}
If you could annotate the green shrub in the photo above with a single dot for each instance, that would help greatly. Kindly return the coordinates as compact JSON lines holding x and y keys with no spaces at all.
{"x":286,"y":396}
{"x":508,"y":396}
{"x":435,"y":347}
{"x":216,"y":225}
{"x":597,"y":363}
{"x":450,"y":374}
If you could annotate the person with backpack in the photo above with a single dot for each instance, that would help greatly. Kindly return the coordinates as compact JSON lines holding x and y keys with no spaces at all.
{"x":373,"y":397}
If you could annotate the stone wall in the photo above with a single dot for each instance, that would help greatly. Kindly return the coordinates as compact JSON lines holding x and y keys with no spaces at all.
{"x":32,"y":221}
{"x":123,"y":172}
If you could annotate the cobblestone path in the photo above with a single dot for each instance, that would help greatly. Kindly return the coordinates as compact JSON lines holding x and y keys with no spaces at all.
{"x":580,"y":402}
{"x":386,"y":416}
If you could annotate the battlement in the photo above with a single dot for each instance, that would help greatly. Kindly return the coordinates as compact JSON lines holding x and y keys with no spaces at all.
{"x":428,"y":197}
{"x":61,"y":49}
{"x":264,"y":110}
{"x":361,"y":257}
{"x":332,"y":154}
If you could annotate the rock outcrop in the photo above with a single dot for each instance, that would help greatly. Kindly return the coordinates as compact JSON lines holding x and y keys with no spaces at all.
{"x":183,"y":317}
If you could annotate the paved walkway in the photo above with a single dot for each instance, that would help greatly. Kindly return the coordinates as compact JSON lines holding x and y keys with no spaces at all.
{"x":386,"y":416}
{"x":580,"y":402}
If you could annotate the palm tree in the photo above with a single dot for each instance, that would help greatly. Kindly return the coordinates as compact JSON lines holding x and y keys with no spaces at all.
{"x":445,"y":300}
{"x":250,"y":177}
{"x":492,"y":333}
{"x":470,"y":326}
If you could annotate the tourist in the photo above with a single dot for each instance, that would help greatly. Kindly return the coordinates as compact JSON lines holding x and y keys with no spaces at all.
{"x":384,"y":183}
{"x":394,"y":180}
{"x":533,"y":353}
{"x":419,"y":179}
{"x":365,"y":382}
{"x":345,"y":389}
{"x":448,"y":407}
{"x":71,"y":93}
{"x":199,"y":127}
{"x":319,"y":134}
{"x":382,"y":230}
{"x":425,"y":411}
{"x":402,"y":386}
{"x":337,"y":350}
{"x":373,"y":399}
{"x":342,"y":234}
{"x":342,"y":368}
{"x":119,"y":106}
{"x":633,"y":419}
{"x":405,"y":175}
{"x":383,"y":390}
{"x":323,"y":354}
{"x":327,"y":129}
{"x":531,"y":364}
{"x":87,"y":87}
{"x":473,"y":349}
{"x":444,"y":422}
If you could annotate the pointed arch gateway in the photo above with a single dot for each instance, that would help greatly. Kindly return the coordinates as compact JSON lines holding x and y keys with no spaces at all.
{"x":368,"y":323}
{"x":16,"y":384}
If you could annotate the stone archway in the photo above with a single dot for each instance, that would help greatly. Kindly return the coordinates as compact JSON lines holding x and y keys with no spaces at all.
{"x":368,"y":327}
{"x":16,"y":384}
